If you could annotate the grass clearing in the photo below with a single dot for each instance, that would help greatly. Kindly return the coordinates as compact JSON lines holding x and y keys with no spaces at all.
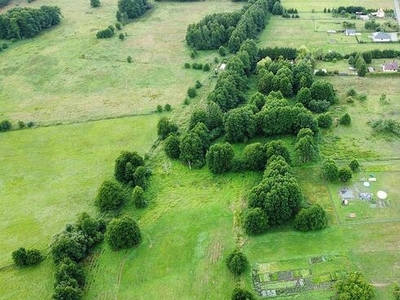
{"x":189,"y":229}
{"x":49,"y":175}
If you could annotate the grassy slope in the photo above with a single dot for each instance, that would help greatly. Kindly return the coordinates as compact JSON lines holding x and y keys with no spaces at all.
{"x":188,"y":230}
{"x":48,"y":176}
{"x":63,"y":86}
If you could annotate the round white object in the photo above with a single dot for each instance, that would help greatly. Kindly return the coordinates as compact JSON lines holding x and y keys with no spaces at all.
{"x":381,"y":195}
{"x":366,"y":183}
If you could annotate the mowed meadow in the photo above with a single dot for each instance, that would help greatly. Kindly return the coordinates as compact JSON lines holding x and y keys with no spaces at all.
{"x":103,"y":105}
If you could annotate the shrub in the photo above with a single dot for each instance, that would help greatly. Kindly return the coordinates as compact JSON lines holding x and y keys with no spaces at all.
{"x":222,"y":51}
{"x":121,"y":36}
{"x":351,"y":92}
{"x":255,"y":221}
{"x":237,"y":262}
{"x":23,"y":257}
{"x":345,"y":174}
{"x":354,"y":287}
{"x":345,"y":119}
{"x":241,"y":294}
{"x":118,"y":25}
{"x":126,"y":165}
{"x":123,"y":233}
{"x":325,"y":120}
{"x":167,"y":107}
{"x":187,"y":65}
{"x":5,"y":126}
{"x":172,"y":146}
{"x":105,"y":33}
{"x":206,"y":67}
{"x":95,"y":3}
{"x":68,"y":269}
{"x":129,"y":59}
{"x":159,"y":108}
{"x":330,"y":170}
{"x":138,"y":197}
{"x":192,"y":92}
{"x":165,"y":127}
{"x":64,"y":291}
{"x":354,"y":165}
{"x":198,"y":84}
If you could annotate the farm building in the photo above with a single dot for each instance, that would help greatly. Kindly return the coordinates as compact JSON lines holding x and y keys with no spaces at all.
{"x":351,"y":32}
{"x":379,"y":14}
{"x":390,"y":67}
{"x":384,"y":37}
{"x":363,"y":17}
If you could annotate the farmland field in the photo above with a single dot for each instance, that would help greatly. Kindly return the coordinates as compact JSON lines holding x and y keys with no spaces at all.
{"x":89,"y":104}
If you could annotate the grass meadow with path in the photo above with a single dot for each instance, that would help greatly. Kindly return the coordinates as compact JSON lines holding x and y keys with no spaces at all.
{"x":50,"y":174}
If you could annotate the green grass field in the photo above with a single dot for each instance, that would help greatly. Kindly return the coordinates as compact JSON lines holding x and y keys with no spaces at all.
{"x":70,"y":75}
{"x":50,"y":174}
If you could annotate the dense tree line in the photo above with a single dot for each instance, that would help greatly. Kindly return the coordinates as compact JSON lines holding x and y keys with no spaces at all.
{"x":68,"y":249}
{"x":276,"y":52}
{"x":377,"y":53}
{"x":212,"y":31}
{"x":252,"y":22}
{"x":131,"y":9}
{"x":26,"y":22}
{"x":4,"y":2}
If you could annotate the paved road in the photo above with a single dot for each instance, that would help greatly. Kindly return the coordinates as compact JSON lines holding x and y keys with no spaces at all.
{"x":397,"y":10}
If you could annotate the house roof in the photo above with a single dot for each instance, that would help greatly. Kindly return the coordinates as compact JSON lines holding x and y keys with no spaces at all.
{"x":382,"y":36}
{"x":394,"y":65}
{"x":348,"y":31}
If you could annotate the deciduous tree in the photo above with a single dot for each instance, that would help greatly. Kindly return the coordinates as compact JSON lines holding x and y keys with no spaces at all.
{"x":123,"y":233}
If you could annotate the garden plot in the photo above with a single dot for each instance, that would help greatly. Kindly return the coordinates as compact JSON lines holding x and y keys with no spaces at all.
{"x":314,"y":273}
{"x":367,"y":198}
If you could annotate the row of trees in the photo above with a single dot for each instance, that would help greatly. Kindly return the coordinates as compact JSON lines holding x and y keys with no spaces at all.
{"x":212,"y":31}
{"x":25,"y":22}
{"x":332,"y":172}
{"x":276,"y":52}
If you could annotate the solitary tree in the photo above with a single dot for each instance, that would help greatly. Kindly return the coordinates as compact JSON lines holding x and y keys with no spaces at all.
{"x":237,"y":262}
{"x":95,"y":3}
{"x":354,"y":165}
{"x":345,"y":119}
{"x":123,"y":233}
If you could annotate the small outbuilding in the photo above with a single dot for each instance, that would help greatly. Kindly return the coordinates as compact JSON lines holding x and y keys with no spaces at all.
{"x":390,"y":67}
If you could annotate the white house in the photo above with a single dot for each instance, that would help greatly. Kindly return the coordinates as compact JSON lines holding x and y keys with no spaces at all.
{"x":379,"y":14}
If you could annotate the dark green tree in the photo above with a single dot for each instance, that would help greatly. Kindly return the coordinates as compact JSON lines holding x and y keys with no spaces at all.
{"x":165,"y":126}
{"x":396,"y":291}
{"x":199,"y":115}
{"x":138,"y":197}
{"x":172,"y":146}
{"x":139,"y":177}
{"x":68,"y":269}
{"x":94,"y":3}
{"x":241,"y":294}
{"x":5,"y":125}
{"x":354,"y":287}
{"x":323,"y":91}
{"x":69,"y":244}
{"x":306,"y":149}
{"x":330,"y":170}
{"x":312,"y":218}
{"x":255,"y":221}
{"x":110,"y":196}
{"x":325,"y":120}
{"x":19,"y":257}
{"x":345,"y":174}
{"x":240,"y":124}
{"x":237,"y":262}
{"x":191,"y":92}
{"x":345,"y":119}
{"x":354,"y":165}
{"x":276,"y":148}
{"x":126,"y":164}
{"x":67,"y":292}
{"x":191,"y":150}
{"x":219,"y":158}
{"x":255,"y":156}
{"x":131,"y":8}
{"x":123,"y":233}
